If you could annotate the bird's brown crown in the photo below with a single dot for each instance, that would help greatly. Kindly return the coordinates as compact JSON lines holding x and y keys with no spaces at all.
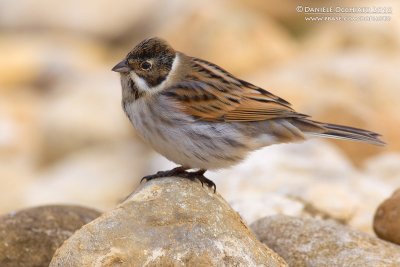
{"x":150,"y":48}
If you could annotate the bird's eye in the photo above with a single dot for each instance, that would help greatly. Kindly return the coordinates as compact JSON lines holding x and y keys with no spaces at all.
{"x":145,"y":65}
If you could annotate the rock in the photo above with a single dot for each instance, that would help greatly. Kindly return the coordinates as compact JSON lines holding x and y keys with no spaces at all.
{"x":29,"y":237}
{"x":312,"y":242}
{"x":387,"y":219}
{"x":167,"y":222}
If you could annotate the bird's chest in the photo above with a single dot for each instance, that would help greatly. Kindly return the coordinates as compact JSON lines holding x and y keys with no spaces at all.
{"x":156,"y":124}
{"x":145,"y":119}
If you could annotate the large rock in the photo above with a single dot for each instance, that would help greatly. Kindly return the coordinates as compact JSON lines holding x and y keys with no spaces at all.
{"x":387,"y":219}
{"x":167,"y":222}
{"x":30,"y":237}
{"x":312,"y":242}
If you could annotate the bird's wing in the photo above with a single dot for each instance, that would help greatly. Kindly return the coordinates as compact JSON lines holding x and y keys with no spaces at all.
{"x":212,"y":94}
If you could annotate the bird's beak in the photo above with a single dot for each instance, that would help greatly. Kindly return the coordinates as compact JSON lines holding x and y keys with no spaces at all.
{"x":122,"y":67}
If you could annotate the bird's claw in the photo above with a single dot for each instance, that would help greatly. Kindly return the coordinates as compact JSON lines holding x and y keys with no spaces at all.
{"x":181,"y":172}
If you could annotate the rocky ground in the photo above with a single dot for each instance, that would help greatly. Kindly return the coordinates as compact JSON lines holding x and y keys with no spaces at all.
{"x":64,"y":138}
{"x":178,"y":222}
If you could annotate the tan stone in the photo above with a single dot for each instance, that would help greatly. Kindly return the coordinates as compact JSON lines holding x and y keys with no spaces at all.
{"x":387,"y":219}
{"x":313,"y":242}
{"x":167,"y":222}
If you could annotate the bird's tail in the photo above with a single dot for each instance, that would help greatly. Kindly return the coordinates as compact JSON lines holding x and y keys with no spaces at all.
{"x":314,"y":128}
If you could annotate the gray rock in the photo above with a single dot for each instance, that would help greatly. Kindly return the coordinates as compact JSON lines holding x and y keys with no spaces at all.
{"x":387,"y":219}
{"x":30,"y":237}
{"x":167,"y":222}
{"x":313,"y":242}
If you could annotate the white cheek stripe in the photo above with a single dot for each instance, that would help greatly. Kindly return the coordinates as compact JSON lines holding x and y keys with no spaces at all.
{"x":144,"y":87}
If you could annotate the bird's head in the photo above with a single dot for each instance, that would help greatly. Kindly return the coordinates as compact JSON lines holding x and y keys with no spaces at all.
{"x":147,"y":64}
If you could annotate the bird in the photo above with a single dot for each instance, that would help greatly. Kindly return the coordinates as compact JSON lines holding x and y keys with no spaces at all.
{"x":202,"y":117}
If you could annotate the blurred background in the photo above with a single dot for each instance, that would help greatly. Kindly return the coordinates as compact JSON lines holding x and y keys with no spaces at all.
{"x":65,"y":139}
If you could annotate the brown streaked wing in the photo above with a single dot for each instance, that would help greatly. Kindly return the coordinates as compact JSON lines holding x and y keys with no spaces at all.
{"x":210,"y":93}
{"x":202,"y":100}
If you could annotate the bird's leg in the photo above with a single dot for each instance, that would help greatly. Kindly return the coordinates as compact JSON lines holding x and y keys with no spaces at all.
{"x":178,"y":171}
{"x":199,"y":175}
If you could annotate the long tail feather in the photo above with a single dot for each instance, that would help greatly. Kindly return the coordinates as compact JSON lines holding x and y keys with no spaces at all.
{"x":336,"y":131}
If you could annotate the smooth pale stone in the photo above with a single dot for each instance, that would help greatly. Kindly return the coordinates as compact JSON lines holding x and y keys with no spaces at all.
{"x":167,"y":222}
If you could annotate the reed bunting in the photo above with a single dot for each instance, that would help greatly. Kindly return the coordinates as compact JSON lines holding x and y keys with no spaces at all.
{"x":200,"y":116}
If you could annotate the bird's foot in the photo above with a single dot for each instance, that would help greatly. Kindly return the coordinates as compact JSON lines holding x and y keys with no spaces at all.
{"x":178,"y":171}
{"x":199,"y":175}
{"x":181,"y":172}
